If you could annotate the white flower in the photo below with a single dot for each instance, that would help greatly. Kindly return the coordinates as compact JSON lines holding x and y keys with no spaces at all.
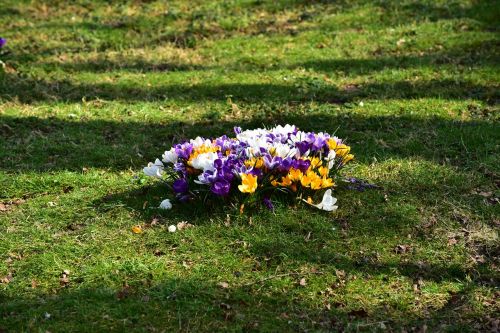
{"x":170,"y":156}
{"x":166,"y":204}
{"x":331,"y":158}
{"x":154,"y":169}
{"x":172,"y":228}
{"x":198,"y":142}
{"x":283,"y":130}
{"x":284,"y":150}
{"x":328,"y":202}
{"x":205,"y":161}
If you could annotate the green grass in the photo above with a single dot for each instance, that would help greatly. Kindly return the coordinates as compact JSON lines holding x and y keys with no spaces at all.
{"x":92,"y":91}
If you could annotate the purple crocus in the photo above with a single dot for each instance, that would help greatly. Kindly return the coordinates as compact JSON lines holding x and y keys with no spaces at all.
{"x":360,"y":184}
{"x":221,"y":187}
{"x":268,"y":203}
{"x":180,"y":185}
{"x":3,"y":41}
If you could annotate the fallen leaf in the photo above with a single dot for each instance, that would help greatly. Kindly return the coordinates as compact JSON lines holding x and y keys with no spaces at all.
{"x":452,"y":241}
{"x":358,"y":313}
{"x":400,"y":249}
{"x":124,"y":292}
{"x":184,"y":225}
{"x":227,"y":223}
{"x":137,"y":229}
{"x":485,"y":194}
{"x":400,"y":42}
{"x":34,"y":284}
{"x":223,"y":285}
{"x":154,"y":221}
{"x":6,"y":279}
{"x":225,"y":306}
{"x":64,"y":280}
{"x":302,"y":282}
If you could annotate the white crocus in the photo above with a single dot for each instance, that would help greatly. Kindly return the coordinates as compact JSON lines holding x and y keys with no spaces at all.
{"x":166,"y":204}
{"x":198,"y":142}
{"x":284,"y":150}
{"x":328,"y":202}
{"x":154,"y":169}
{"x":172,"y":228}
{"x":283,"y":130}
{"x":204,"y":161}
{"x":331,"y":159}
{"x":170,"y":156}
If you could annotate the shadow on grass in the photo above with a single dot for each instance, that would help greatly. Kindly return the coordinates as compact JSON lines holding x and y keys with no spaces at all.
{"x":187,"y":304}
{"x":29,"y":90}
{"x":31,"y":143}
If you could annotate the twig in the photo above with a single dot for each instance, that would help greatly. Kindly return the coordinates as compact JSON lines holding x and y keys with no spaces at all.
{"x":279,"y":276}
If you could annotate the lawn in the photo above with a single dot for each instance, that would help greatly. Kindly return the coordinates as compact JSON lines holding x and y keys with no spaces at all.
{"x":93,"y":90}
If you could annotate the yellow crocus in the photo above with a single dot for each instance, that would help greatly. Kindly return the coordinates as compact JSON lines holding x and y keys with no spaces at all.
{"x":327,"y":182}
{"x":347,"y":158}
{"x":248,"y":183}
{"x":342,"y":150}
{"x":332,"y":144}
{"x":323,"y":171}
{"x":294,"y":174}
{"x":316,"y":184}
{"x":315,"y":162}
{"x":308,"y":178}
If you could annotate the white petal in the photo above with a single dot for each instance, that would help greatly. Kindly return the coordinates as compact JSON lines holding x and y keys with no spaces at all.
{"x":166,"y":204}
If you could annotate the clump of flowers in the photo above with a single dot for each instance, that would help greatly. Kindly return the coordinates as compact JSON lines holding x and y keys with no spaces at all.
{"x":255,"y":166}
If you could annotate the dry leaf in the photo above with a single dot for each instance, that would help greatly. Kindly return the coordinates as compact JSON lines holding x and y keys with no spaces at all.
{"x":6,"y":279}
{"x":64,"y":280}
{"x":137,"y":229}
{"x":184,"y":225}
{"x":452,"y":241}
{"x":400,"y":249}
{"x":154,"y":221}
{"x":302,"y":282}
{"x":223,"y":285}
{"x":124,"y":292}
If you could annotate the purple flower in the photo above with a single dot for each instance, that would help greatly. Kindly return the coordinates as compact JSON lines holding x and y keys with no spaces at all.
{"x":221,"y":187}
{"x":180,"y":185}
{"x":302,"y":165}
{"x":268,"y":203}
{"x":3,"y":41}
{"x":359,"y":185}
{"x":184,"y":150}
{"x":183,"y":197}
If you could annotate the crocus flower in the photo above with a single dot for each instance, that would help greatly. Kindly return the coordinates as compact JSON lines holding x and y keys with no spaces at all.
{"x":328,"y":202}
{"x":154,"y":169}
{"x":248,"y":183}
{"x":170,"y":156}
{"x":221,"y":187}
{"x":268,"y":203}
{"x":180,"y":185}
{"x":166,"y":204}
{"x":3,"y":41}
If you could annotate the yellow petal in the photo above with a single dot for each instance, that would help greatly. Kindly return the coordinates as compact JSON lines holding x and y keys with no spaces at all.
{"x":137,"y":229}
